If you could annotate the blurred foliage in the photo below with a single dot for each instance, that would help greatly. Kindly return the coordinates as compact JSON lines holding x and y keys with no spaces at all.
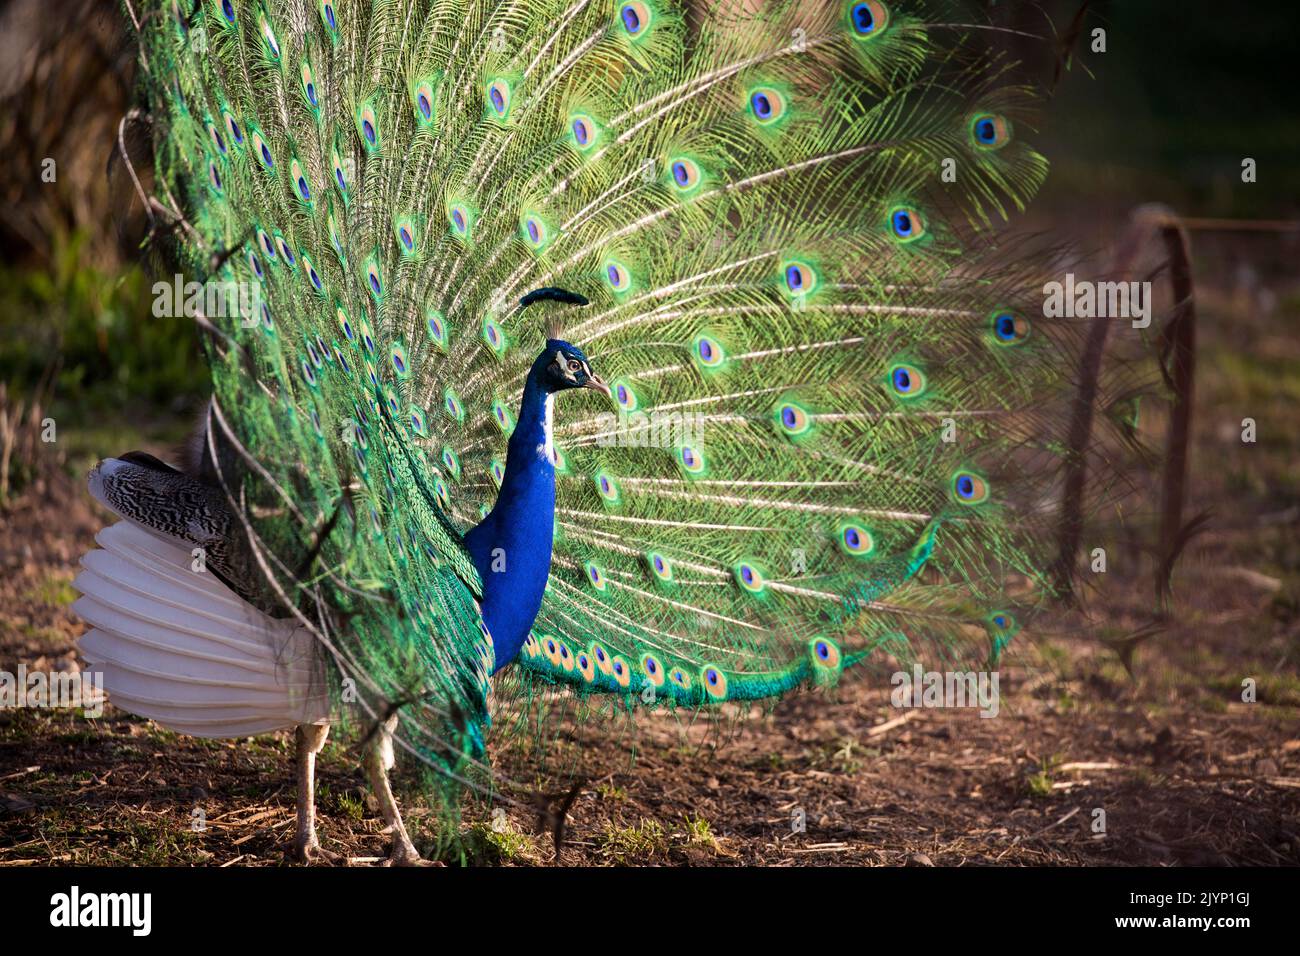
{"x":1175,"y":103}
{"x":66,"y":73}
{"x":95,"y":331}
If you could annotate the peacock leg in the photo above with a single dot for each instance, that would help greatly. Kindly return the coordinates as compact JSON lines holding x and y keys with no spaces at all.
{"x":379,"y":760}
{"x":311,"y":738}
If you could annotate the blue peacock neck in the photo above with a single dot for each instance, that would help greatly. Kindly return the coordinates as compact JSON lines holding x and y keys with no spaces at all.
{"x":511,"y":547}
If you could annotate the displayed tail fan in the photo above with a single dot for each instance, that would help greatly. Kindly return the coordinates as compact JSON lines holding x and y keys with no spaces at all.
{"x":836,"y":418}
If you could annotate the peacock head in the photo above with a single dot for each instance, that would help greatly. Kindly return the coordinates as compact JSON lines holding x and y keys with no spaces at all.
{"x":563,"y":365}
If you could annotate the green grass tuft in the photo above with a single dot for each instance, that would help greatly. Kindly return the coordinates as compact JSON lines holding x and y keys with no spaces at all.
{"x":623,"y":846}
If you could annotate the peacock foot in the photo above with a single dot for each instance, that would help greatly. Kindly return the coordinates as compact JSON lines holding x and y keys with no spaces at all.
{"x":405,"y":854}
{"x":308,"y":851}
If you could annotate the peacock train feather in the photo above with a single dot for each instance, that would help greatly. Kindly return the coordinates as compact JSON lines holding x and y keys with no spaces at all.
{"x":831,"y":432}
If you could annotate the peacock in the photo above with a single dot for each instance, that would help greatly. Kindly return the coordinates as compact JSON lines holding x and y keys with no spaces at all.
{"x":668,"y":351}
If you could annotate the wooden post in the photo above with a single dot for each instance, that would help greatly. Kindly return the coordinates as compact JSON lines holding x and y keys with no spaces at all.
{"x":1178,"y":354}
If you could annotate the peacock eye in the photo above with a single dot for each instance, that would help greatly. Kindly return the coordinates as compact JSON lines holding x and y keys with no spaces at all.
{"x":574,"y":365}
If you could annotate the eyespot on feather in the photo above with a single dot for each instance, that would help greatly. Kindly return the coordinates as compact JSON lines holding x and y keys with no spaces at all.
{"x":419,"y":422}
{"x":309,"y":86}
{"x":436,"y":326}
{"x":617,"y":276}
{"x":301,"y":185}
{"x":824,"y":653}
{"x":607,"y":487}
{"x":907,"y":381}
{"x":989,"y":131}
{"x":767,"y":105}
{"x":262,"y":151}
{"x":1008,"y":328}
{"x":451,"y":403}
{"x":906,"y":224}
{"x":624,"y":395}
{"x":800,"y":278}
{"x":969,"y":488}
{"x":653,"y":669}
{"x":659,"y":566}
{"x":792,"y":419}
{"x":715,"y":682}
{"x":232,"y":127}
{"x":691,"y":460}
{"x":583,"y":131}
{"x":707,"y":352}
{"x":270,"y":45}
{"x":422,"y":103}
{"x":374,"y":280}
{"x":498,"y":97}
{"x":461,"y":220}
{"x":867,"y":19}
{"x":535,"y":231}
{"x":368,"y":127}
{"x":855,"y":539}
{"x":329,"y":18}
{"x":636,"y":19}
{"x":749,"y":577}
{"x":604,"y":661}
{"x":684,"y":174}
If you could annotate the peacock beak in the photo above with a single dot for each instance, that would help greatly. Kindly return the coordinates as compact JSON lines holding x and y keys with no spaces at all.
{"x":598,"y":383}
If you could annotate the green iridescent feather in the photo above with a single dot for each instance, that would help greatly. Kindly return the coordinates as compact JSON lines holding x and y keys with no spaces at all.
{"x":835,"y":427}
